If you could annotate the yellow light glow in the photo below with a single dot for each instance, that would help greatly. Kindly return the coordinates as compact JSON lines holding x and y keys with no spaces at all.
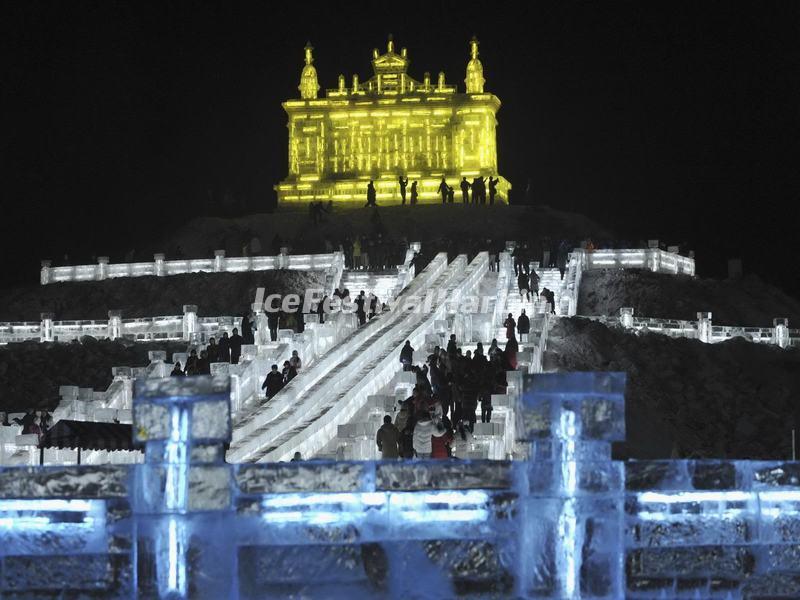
{"x":344,"y":142}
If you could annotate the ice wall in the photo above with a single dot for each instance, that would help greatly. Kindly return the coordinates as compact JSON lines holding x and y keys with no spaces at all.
{"x":566,"y":523}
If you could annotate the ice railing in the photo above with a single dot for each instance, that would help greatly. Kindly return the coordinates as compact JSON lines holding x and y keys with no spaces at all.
{"x":161,"y":267}
{"x":703,"y":329}
{"x":652,"y":259}
{"x":566,"y":523}
{"x":250,"y":431}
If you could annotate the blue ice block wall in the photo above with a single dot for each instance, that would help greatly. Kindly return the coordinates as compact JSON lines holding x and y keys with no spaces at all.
{"x":567,"y":523}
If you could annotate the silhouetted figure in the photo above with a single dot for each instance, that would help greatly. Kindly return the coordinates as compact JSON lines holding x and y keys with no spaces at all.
{"x":403,"y":184}
{"x":510,"y":324}
{"x":203,"y":365}
{"x":465,"y":190}
{"x":414,"y":193}
{"x":372,"y":195}
{"x":273,"y":382}
{"x":482,"y":190}
{"x":444,"y":190}
{"x":247,"y":329}
{"x":450,"y":195}
{"x":388,"y":439}
{"x":289,"y":372}
{"x":476,"y":190}
{"x":492,"y":189}
{"x":360,"y":312}
{"x":224,"y":348}
{"x":373,"y":306}
{"x":273,"y":321}
{"x":524,"y":286}
{"x":321,"y":309}
{"x":191,"y":363}
{"x":523,"y":325}
{"x":407,"y":356}
{"x":212,"y":351}
{"x":236,"y":346}
{"x":176,"y":370}
{"x":297,"y":457}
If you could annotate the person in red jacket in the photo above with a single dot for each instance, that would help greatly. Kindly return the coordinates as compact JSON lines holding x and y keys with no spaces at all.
{"x":441,"y":440}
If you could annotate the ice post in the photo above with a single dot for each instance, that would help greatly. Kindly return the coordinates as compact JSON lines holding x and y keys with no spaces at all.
{"x":572,"y":493}
{"x":183,"y":491}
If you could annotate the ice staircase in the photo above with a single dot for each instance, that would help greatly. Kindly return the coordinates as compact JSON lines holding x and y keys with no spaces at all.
{"x":331,"y":393}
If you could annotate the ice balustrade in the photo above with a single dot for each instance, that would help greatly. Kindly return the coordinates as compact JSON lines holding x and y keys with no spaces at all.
{"x":703,"y":329}
{"x":651,"y":259}
{"x":161,"y":267}
{"x":267,"y":420}
{"x":568,"y":522}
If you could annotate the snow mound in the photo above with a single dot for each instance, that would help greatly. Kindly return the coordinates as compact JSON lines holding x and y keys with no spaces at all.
{"x":747,"y":302}
{"x":685,"y":398}
{"x":31,"y":372}
{"x":215,"y":294}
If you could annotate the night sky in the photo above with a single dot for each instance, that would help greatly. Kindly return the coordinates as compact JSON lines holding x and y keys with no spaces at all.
{"x":674,"y":120}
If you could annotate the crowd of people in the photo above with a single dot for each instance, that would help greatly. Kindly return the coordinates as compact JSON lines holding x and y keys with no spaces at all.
{"x":32,"y":422}
{"x":472,"y":192}
{"x":438,"y":419}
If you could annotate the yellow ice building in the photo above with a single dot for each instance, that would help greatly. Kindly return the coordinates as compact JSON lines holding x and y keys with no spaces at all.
{"x":388,"y":127}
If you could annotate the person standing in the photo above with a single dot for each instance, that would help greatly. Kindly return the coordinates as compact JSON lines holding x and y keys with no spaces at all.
{"x":372,"y":195}
{"x":510,"y":324}
{"x":492,"y":189}
{"x":414,"y":193}
{"x":273,"y":382}
{"x":403,"y":184}
{"x":273,"y":321}
{"x":388,"y":439}
{"x":524,"y":286}
{"x":523,"y":326}
{"x":443,"y":190}
{"x":247,"y":328}
{"x":465,"y":190}
{"x":236,"y":346}
{"x":224,"y":348}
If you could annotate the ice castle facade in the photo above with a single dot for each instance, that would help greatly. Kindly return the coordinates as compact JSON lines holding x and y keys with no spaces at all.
{"x":567,"y":522}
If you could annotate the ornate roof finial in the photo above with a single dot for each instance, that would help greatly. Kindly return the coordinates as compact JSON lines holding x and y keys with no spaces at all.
{"x":390,"y":44}
{"x":473,"y":47}
{"x":308,"y":78}
{"x":474,"y":78}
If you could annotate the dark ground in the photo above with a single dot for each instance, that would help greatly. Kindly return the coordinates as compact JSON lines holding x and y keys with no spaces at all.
{"x":215,"y":294}
{"x":683,"y":398}
{"x":31,"y":372}
{"x":747,"y":302}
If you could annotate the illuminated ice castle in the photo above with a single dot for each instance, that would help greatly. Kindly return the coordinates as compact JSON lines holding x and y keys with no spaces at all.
{"x":389,"y":126}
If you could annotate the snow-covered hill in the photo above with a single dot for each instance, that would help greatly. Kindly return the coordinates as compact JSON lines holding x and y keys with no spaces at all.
{"x":747,"y":302}
{"x":685,"y":398}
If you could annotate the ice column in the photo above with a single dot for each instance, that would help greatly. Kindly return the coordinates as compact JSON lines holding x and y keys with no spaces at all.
{"x":184,"y":489}
{"x":571,"y":522}
{"x":283,"y":258}
{"x":704,"y":327}
{"x":219,"y":260}
{"x":114,"y":324}
{"x":189,"y":322}
{"x":158,"y":259}
{"x":44,"y":276}
{"x":102,"y":267}
{"x":781,"y":334}
{"x":46,"y":331}
{"x":626,"y":317}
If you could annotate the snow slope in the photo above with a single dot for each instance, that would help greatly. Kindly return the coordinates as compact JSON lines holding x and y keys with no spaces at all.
{"x":215,"y":294}
{"x":747,"y":302}
{"x":684,"y":398}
